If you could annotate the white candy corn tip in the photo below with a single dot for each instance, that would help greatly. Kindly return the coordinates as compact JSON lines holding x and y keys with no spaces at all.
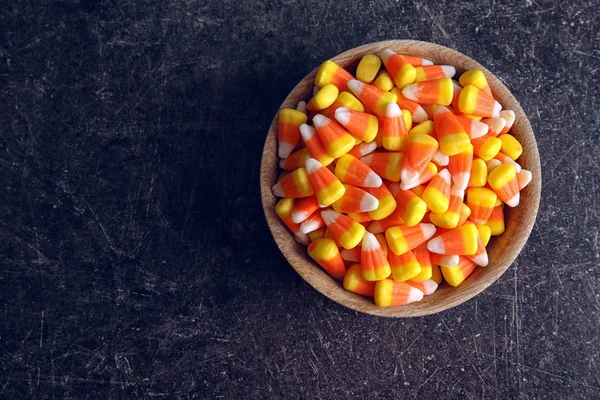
{"x":457,"y":192}
{"x":372,"y":180}
{"x":301,"y":106}
{"x":509,"y":116}
{"x":428,"y":230}
{"x":481,"y":259}
{"x":411,"y":92}
{"x":329,"y":216}
{"x":375,"y":227}
{"x":356,"y":86}
{"x":493,"y":164}
{"x":299,"y":216}
{"x":285,"y":149}
{"x":445,"y":175}
{"x":368,"y":203}
{"x":278,"y":190}
{"x":370,"y":242}
{"x":436,"y":245}
{"x":342,"y":114}
{"x":309,"y":226}
{"x":409,"y":178}
{"x":441,"y":159}
{"x":307,"y":132}
{"x":495,"y":124}
{"x":449,"y":71}
{"x":439,"y":110}
{"x":461,"y":180}
{"x":386,"y":54}
{"x":420,"y":115}
{"x":514,"y":201}
{"x":392,"y":110}
{"x":524,"y":177}
{"x":449,"y":260}
{"x":427,"y":62}
{"x":429,"y":287}
{"x":320,"y":120}
{"x":349,"y":255}
{"x":366,"y":148}
{"x":302,"y":238}
{"x":414,"y":295}
{"x":514,"y":164}
{"x":478,"y":129}
{"x":312,"y":165}
{"x":497,"y":109}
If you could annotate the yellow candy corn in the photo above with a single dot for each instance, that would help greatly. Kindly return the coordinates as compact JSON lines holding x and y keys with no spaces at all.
{"x":325,"y":184}
{"x":479,"y":173}
{"x":485,"y":232}
{"x":436,"y":274}
{"x":330,"y":72}
{"x":334,"y":137}
{"x":424,"y":128}
{"x":496,"y":221}
{"x":318,"y":234}
{"x":323,"y":98}
{"x":511,"y":146}
{"x":404,"y":266}
{"x":476,"y":78}
{"x":402,"y":238}
{"x":387,"y":202}
{"x":450,"y":218}
{"x":457,"y":274}
{"x":411,"y":207}
{"x":503,"y":180}
{"x":367,"y":68}
{"x":346,"y":231}
{"x":481,"y":201}
{"x":384,"y":81}
{"x":486,"y":147}
{"x":437,"y":193}
{"x":354,"y":282}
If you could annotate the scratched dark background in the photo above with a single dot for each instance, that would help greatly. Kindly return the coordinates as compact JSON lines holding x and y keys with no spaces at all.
{"x":135,"y":259}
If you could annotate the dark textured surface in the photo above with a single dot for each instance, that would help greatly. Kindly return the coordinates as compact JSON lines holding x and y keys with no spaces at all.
{"x":135,"y":260}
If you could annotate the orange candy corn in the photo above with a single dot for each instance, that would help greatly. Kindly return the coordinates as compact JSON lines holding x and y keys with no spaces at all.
{"x":402,"y":238}
{"x":371,"y":96}
{"x":438,"y":91}
{"x":361,"y":125}
{"x":451,"y":217}
{"x":289,"y":130}
{"x":417,"y":61}
{"x":411,"y":208}
{"x":363,"y":149}
{"x":431,"y":72}
{"x":473,"y":128}
{"x":481,"y":202}
{"x":326,"y":185}
{"x":346,"y":231}
{"x":437,"y":192}
{"x":436,"y":274}
{"x":295,"y":160}
{"x":315,"y":146}
{"x":304,"y":208}
{"x":351,"y":255}
{"x":330,"y":72}
{"x":386,"y":165}
{"x":430,"y":171}
{"x":380,"y":226}
{"x":399,"y":68}
{"x":334,"y":137}
{"x":445,"y":260}
{"x":423,"y":256}
{"x":416,"y":110}
{"x":428,"y":287}
{"x":459,"y":166}
{"x":354,"y":282}
{"x":404,"y":266}
{"x":353,"y":171}
{"x":450,"y":133}
{"x":344,"y":99}
{"x":312,"y":223}
{"x":284,"y":211}
{"x":480,"y":257}
{"x":474,"y":101}
{"x":355,"y":200}
{"x":457,"y":274}
{"x":387,"y":202}
{"x":389,"y":293}
{"x":459,"y":241}
{"x":418,"y":153}
{"x":326,"y":254}
{"x":374,"y":264}
{"x":294,"y":185}
{"x":509,"y":116}
{"x":496,"y":221}
{"x":394,"y":128}
{"x":503,"y":180}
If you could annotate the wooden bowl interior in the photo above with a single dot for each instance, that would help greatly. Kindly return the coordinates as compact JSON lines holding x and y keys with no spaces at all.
{"x":502,"y":249}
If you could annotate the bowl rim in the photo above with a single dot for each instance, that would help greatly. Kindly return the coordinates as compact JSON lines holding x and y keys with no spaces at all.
{"x":315,"y":276}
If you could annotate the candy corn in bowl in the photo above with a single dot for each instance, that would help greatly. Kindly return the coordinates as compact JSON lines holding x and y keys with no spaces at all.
{"x":400,"y":178}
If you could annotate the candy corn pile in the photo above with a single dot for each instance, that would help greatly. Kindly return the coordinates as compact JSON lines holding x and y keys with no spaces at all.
{"x":397,"y":179}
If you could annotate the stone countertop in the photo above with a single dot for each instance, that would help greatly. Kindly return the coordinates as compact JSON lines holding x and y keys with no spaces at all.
{"x":135,"y":259}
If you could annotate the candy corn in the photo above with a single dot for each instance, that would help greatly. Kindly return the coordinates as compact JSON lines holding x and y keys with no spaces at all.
{"x":404,"y":266}
{"x":315,"y":146}
{"x":509,"y":116}
{"x":473,"y":128}
{"x":304,"y":208}
{"x":424,"y":128}
{"x":389,"y":293}
{"x":504,"y":159}
{"x":312,"y":223}
{"x":457,"y":274}
{"x":481,"y":202}
{"x":474,"y":101}
{"x":436,"y":274}
{"x":326,"y":254}
{"x":444,"y":260}
{"x":450,"y":133}
{"x":325,"y":97}
{"x":403,"y":238}
{"x":451,"y":217}
{"x":363,"y":149}
{"x":416,"y":110}
{"x":367,"y":68}
{"x":496,"y":221}
{"x":504,"y":181}
{"x":325,"y":184}
{"x":346,"y":231}
{"x":374,"y":264}
{"x":418,"y":153}
{"x":440,"y":159}
{"x":371,"y":96}
{"x":480,"y":257}
{"x":495,"y":125}
{"x":476,"y":78}
{"x":486,"y":147}
{"x":479,"y":173}
{"x":459,"y":241}
{"x":289,"y":130}
{"x":345,"y":99}
{"x":524,"y":177}
{"x":355,"y":200}
{"x":334,"y":137}
{"x":432,"y":72}
{"x":361,"y":125}
{"x":386,"y":165}
{"x":295,"y":160}
{"x":411,"y":207}
{"x":423,"y":256}
{"x":330,"y":72}
{"x":399,"y":68}
{"x":460,"y":166}
{"x":510,"y":146}
{"x":387,"y":202}
{"x":384,"y":81}
{"x":438,"y":91}
{"x":428,"y":287}
{"x":284,"y":211}
{"x":437,"y":192}
{"x":353,"y":171}
{"x":354,"y":282}
{"x":294,"y":185}
{"x":394,"y":128}
{"x":430,"y":171}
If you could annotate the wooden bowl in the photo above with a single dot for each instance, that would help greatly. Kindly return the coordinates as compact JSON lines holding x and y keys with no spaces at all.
{"x":502,"y":249}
